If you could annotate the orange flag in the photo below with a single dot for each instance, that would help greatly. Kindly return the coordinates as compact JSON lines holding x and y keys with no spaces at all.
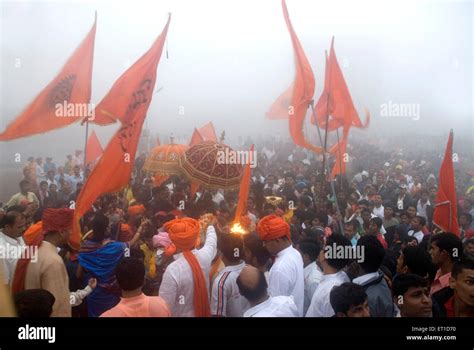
{"x":303,"y":89}
{"x":60,"y":102}
{"x":208,"y":133}
{"x":445,"y":212}
{"x":336,"y":100}
{"x":132,"y":92}
{"x":280,"y":108}
{"x":94,"y":149}
{"x":114,"y":168}
{"x":340,"y":165}
{"x":196,"y":138}
{"x":244,"y":189}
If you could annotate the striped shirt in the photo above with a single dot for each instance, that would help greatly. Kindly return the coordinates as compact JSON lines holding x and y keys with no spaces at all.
{"x":225,"y":297}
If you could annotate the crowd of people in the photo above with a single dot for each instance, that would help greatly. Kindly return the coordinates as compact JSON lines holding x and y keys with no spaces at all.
{"x":366,"y":246}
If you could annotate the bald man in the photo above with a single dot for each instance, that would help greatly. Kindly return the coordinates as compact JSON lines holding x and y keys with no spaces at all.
{"x":253,"y":286}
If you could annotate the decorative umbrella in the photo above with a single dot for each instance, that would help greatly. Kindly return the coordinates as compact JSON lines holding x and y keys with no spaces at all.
{"x":164,"y":159}
{"x":201,"y":163}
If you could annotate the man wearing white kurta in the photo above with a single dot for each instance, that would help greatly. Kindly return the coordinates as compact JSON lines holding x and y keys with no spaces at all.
{"x":177,"y":285}
{"x":286,"y":275}
{"x":332,"y":263}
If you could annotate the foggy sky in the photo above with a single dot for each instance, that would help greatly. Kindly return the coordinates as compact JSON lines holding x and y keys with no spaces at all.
{"x":228,"y":61}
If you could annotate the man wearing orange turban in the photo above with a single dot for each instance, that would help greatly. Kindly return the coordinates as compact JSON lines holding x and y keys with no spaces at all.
{"x":186,"y":280}
{"x":48,"y":270}
{"x":286,"y":276}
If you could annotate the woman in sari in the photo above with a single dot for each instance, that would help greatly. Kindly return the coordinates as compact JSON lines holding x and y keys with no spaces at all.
{"x":98,"y":257}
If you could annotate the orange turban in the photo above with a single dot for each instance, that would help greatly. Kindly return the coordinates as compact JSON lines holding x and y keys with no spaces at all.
{"x":32,"y":233}
{"x":57,"y":219}
{"x":136,"y":209}
{"x":183,"y":232}
{"x":272,"y":227}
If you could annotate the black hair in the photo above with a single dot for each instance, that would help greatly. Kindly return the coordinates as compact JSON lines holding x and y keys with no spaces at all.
{"x":253,"y":243}
{"x":373,"y":251}
{"x":10,"y":218}
{"x":256,"y":293}
{"x":421,"y":219}
{"x":450,"y":243}
{"x":130,"y":273}
{"x":418,"y":261}
{"x":377,"y":221}
{"x":24,"y":182}
{"x":347,"y":295}
{"x":401,"y":283}
{"x":333,"y":242}
{"x":99,"y":225}
{"x":231,"y":246}
{"x":462,"y":264}
{"x":363,"y":202}
{"x":323,"y":218}
{"x":34,"y":303}
{"x":354,"y":223}
{"x":310,"y":247}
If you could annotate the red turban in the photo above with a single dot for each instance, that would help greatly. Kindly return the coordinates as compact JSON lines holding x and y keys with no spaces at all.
{"x":184,"y":234}
{"x":272,"y":227}
{"x":57,"y":219}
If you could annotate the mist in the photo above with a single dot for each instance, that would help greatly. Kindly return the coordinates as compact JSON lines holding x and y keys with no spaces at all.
{"x":227,"y":61}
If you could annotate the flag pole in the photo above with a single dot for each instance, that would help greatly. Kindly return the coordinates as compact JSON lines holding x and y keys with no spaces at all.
{"x":85,"y":143}
{"x":339,"y":151}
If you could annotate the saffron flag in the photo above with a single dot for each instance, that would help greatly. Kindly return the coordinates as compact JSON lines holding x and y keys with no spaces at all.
{"x":63,"y":101}
{"x":196,"y":138}
{"x":336,"y":101}
{"x":340,"y":165}
{"x":114,"y":168}
{"x":131,"y":92}
{"x":94,"y":149}
{"x":445,"y":211}
{"x":244,"y":188}
{"x":281,"y":107}
{"x":303,"y":89}
{"x":208,"y":133}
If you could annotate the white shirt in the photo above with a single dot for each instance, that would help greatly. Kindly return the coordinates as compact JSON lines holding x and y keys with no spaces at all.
{"x":365,"y":278}
{"x":418,"y":235}
{"x":281,"y":306}
{"x":217,"y":198}
{"x":421,"y":208}
{"x":378,"y":211}
{"x":287,"y":277}
{"x":320,"y":304}
{"x":225,"y":297}
{"x":9,"y":254}
{"x":312,"y":277}
{"x":177,"y":287}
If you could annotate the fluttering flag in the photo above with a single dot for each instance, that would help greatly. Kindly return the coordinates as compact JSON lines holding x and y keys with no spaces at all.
{"x":281,"y":107}
{"x":340,"y":152}
{"x":303,"y":89}
{"x":196,"y":138}
{"x":114,"y":168}
{"x":64,"y":100}
{"x":131,"y":92}
{"x":208,"y":132}
{"x":94,"y":149}
{"x":445,"y":211}
{"x":244,"y":188}
{"x":335,"y":101}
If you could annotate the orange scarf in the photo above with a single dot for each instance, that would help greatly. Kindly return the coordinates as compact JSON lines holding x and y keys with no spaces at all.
{"x":184,"y":234}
